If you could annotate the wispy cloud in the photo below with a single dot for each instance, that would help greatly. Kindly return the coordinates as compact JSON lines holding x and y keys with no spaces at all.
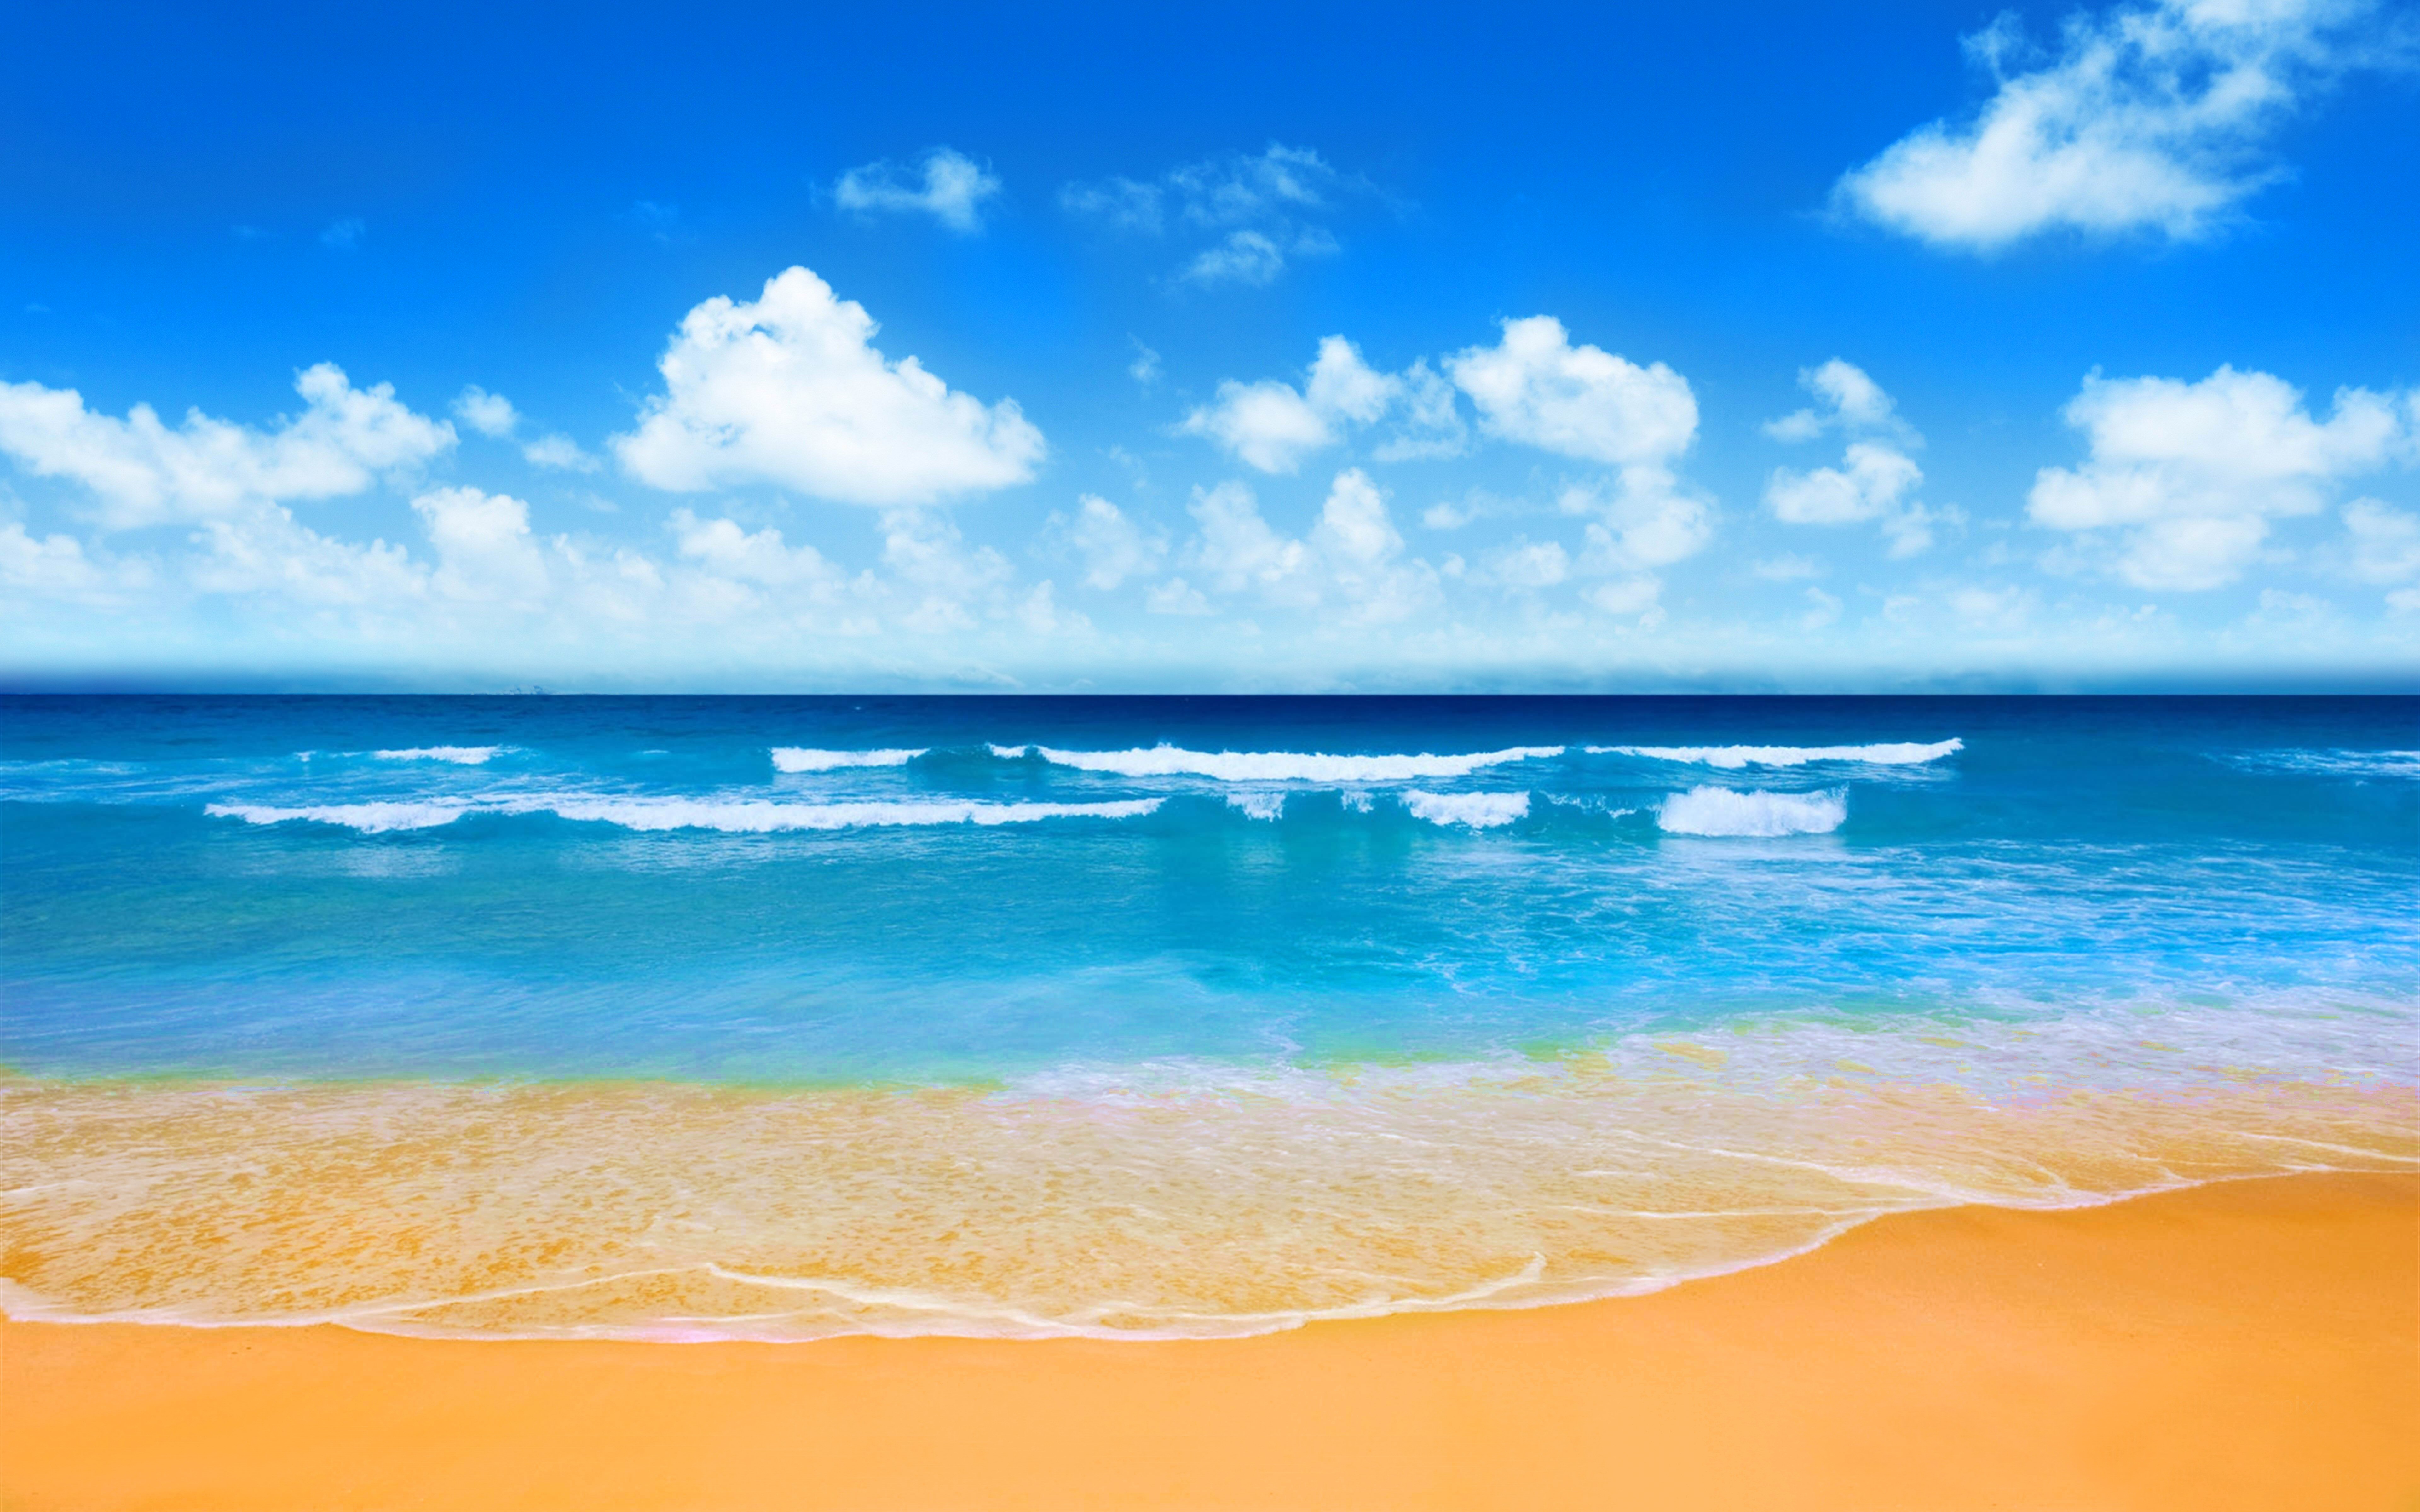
{"x":947,"y":185}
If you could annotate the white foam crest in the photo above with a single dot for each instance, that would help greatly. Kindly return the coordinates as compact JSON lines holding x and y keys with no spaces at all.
{"x":369,"y":818}
{"x":1710,"y":810}
{"x":741,"y":817}
{"x":1480,"y":811}
{"x":1277,"y":766}
{"x":805,"y":758}
{"x":1257,"y":805}
{"x":458,"y":755}
{"x":2353,"y":764}
{"x":1731,"y":757}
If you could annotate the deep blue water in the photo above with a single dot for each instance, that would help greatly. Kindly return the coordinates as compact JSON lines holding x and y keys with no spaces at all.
{"x":587,"y":886}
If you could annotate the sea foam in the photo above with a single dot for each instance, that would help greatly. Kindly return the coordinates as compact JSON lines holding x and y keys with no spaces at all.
{"x":1731,"y":757}
{"x":1710,"y":810}
{"x":739,"y":817}
{"x":1478,"y":810}
{"x":458,"y":755}
{"x":1275,"y":765}
{"x":803,"y":759}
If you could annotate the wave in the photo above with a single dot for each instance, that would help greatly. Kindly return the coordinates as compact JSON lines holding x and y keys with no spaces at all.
{"x":1270,"y":805}
{"x":803,"y":759}
{"x":458,"y":755}
{"x":744,"y":817}
{"x":369,"y":818}
{"x":1710,"y":810}
{"x":1275,"y":766}
{"x":1731,"y":757}
{"x":1480,"y":811}
{"x":2353,"y":764}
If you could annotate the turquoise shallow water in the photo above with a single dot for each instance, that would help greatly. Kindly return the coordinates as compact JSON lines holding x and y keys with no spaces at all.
{"x":781,"y":1017}
{"x":607,"y":887}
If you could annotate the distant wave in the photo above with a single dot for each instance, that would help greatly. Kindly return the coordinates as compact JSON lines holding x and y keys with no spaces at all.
{"x":1480,"y":811}
{"x":1275,"y":766}
{"x":1707,"y":810}
{"x":803,"y":759}
{"x":2356,"y":763}
{"x":747,"y":817}
{"x":458,"y":755}
{"x":1731,"y":757}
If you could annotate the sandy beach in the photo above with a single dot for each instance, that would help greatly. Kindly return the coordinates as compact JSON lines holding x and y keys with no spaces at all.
{"x":2251,"y":1345}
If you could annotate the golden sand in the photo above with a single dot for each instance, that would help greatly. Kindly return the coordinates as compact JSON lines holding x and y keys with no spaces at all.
{"x":2252,"y":1345}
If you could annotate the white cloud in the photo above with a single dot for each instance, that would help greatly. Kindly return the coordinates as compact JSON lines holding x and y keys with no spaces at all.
{"x":1433,"y":425}
{"x":267,"y":553}
{"x":1351,"y":560}
{"x":345,"y":235}
{"x":1144,"y":369}
{"x":144,"y":473}
{"x":725,"y":548}
{"x":1263,"y":208}
{"x":948,"y":581}
{"x":2383,"y":543}
{"x":1535,"y":387}
{"x":1272,"y":427}
{"x":790,"y":391}
{"x":952,"y":188}
{"x":1527,"y":565}
{"x":485,"y":551}
{"x":1177,"y":596}
{"x":57,"y":566}
{"x":1112,"y":548}
{"x":492,"y":415}
{"x":1851,"y":401}
{"x":1876,"y":479}
{"x":489,"y":414}
{"x":2191,"y":474}
{"x":2149,"y":117}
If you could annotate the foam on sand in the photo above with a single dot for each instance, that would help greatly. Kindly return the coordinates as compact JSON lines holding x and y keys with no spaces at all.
{"x":1275,"y":765}
{"x":1710,"y":810}
{"x":1731,"y":757}
{"x":803,"y":759}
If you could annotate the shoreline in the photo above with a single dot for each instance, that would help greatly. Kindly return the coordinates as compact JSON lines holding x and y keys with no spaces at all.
{"x":2238,"y":1344}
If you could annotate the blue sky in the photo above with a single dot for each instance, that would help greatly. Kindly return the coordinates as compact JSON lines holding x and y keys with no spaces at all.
{"x":1259,"y":347}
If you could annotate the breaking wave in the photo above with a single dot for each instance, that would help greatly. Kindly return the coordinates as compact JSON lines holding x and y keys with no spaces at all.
{"x":1710,"y":810}
{"x":1480,"y":811}
{"x":1275,"y":766}
{"x":1731,"y":757}
{"x":458,"y":755}
{"x":802,"y":759}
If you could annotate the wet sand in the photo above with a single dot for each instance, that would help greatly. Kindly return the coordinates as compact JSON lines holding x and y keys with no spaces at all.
{"x":2252,"y":1345}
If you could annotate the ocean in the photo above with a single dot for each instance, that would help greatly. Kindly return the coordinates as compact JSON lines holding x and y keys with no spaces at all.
{"x":781,"y":1018}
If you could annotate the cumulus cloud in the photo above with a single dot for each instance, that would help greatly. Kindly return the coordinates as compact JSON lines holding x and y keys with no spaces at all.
{"x":2381,"y":543}
{"x":1272,"y":427}
{"x":2189,"y":476}
{"x":1352,"y":561}
{"x":1876,"y":479}
{"x":790,"y":391}
{"x":58,"y":566}
{"x":2147,"y":118}
{"x":141,"y":472}
{"x":948,"y":185}
{"x":1112,"y":547}
{"x":492,"y":415}
{"x":1536,"y":387}
{"x":483,"y":544}
{"x":1262,"y":209}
